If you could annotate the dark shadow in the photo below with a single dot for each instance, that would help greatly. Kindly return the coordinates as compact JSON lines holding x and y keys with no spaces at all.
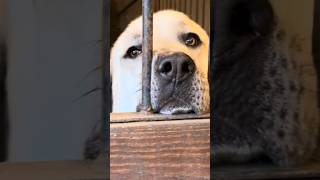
{"x":3,"y":105}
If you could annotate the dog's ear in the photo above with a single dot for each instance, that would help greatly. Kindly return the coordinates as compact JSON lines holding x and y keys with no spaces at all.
{"x":252,"y":17}
{"x":239,"y":22}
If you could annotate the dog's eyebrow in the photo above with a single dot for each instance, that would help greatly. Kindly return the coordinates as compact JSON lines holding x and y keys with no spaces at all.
{"x":182,"y":24}
{"x":137,"y":36}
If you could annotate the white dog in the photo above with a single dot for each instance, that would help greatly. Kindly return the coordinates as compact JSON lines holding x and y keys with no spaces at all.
{"x":179,"y":78}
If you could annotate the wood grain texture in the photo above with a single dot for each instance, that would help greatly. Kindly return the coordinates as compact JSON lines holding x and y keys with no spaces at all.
{"x":176,"y":149}
{"x":139,"y":117}
{"x":206,"y":24}
{"x":120,"y":6}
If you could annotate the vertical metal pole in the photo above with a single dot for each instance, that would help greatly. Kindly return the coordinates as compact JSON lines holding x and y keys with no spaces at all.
{"x":316,"y":43}
{"x":146,"y":54}
{"x":106,"y":87}
{"x":213,"y":22}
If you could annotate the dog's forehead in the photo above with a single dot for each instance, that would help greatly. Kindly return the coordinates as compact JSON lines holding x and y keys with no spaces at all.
{"x":170,"y":20}
{"x":165,"y":22}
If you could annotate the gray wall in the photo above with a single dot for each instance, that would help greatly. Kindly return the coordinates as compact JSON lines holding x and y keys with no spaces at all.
{"x":52,"y":45}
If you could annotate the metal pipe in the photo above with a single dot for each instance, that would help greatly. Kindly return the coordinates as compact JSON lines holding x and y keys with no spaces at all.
{"x":106,"y":84}
{"x":316,"y":42}
{"x":146,"y":54}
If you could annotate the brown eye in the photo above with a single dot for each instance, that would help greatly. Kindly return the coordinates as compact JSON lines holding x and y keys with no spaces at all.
{"x":133,"y":52}
{"x":191,"y":40}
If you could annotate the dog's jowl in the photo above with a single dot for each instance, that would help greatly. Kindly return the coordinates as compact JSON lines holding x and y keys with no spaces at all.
{"x":258,"y":98}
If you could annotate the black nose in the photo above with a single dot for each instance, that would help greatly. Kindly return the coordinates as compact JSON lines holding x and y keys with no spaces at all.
{"x":178,"y":66}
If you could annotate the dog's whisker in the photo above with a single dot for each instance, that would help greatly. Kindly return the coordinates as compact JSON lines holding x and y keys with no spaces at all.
{"x":87,"y":93}
{"x":87,"y":75}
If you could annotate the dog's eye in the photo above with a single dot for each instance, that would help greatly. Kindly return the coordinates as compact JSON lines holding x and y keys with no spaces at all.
{"x":191,"y":40}
{"x":133,"y":52}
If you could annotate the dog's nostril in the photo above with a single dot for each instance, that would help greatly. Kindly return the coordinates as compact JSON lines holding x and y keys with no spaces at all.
{"x":166,"y":67}
{"x":187,"y":67}
{"x":178,"y":66}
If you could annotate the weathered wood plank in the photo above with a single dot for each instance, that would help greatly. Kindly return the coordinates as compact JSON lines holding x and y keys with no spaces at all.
{"x":134,"y":117}
{"x":128,"y":14}
{"x":120,"y":6}
{"x":200,"y":12}
{"x":160,"y":150}
{"x":206,"y":24}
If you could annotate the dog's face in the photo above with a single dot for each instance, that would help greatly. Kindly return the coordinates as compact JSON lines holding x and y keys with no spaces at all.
{"x":259,"y":106}
{"x":179,"y":78}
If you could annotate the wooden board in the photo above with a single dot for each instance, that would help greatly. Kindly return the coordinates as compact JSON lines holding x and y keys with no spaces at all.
{"x":141,"y":117}
{"x":167,"y":149}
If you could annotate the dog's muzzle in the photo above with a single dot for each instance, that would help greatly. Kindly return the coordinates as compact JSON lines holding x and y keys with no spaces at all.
{"x":173,"y":75}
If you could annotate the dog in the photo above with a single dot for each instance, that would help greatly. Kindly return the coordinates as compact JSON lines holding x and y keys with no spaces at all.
{"x":261,"y":107}
{"x":179,"y":74}
{"x":179,"y":78}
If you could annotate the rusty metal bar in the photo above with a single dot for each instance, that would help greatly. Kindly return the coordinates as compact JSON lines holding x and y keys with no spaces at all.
{"x":316,"y":42}
{"x":146,"y":54}
{"x":106,"y":86}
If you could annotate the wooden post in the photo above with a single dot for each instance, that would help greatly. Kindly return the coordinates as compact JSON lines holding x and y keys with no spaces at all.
{"x":159,"y":146}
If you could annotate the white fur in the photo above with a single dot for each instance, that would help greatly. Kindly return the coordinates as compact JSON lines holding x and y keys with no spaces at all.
{"x":126,"y":73}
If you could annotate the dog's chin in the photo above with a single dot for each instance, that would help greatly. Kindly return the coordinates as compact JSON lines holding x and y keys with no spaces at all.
{"x":176,"y":107}
{"x":176,"y":110}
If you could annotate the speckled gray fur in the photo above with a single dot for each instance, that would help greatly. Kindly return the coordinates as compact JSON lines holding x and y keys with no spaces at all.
{"x":256,"y":93}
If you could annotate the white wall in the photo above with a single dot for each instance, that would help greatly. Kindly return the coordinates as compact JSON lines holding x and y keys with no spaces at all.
{"x":52,"y":45}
